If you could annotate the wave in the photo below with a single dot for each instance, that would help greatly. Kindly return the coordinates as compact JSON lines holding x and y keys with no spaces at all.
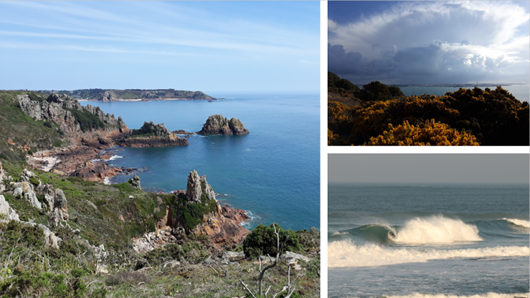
{"x":340,"y":233}
{"x":115,"y":157}
{"x":518,"y":222}
{"x":347,"y":254}
{"x":436,"y":229}
{"x":488,"y":295}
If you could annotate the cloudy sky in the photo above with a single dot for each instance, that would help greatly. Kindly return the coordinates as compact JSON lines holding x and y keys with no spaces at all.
{"x":207,"y":46}
{"x":428,"y":168}
{"x":429,"y":42}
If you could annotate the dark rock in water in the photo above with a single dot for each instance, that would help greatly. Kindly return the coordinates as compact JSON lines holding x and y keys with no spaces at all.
{"x":218,"y":125}
{"x":152,"y":135}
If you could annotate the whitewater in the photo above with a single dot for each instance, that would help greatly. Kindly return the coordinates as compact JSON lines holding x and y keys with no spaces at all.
{"x":428,"y":241}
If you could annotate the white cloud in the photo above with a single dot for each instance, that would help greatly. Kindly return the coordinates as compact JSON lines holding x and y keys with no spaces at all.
{"x":414,"y":39}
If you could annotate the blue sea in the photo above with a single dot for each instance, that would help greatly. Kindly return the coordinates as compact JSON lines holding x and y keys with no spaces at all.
{"x":428,"y":240}
{"x":273,"y":173}
{"x":521,"y":92}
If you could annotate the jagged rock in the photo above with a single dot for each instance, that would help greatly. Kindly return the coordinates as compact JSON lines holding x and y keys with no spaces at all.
{"x":49,"y":196}
{"x":218,"y":125}
{"x":31,"y":197}
{"x":135,"y":181}
{"x":197,"y":186}
{"x":49,"y":237}
{"x":6,"y":212}
{"x":158,"y":129}
{"x":60,"y":208}
{"x":233,"y":256}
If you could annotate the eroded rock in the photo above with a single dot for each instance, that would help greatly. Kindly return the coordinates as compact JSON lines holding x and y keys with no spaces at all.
{"x":219,"y":125}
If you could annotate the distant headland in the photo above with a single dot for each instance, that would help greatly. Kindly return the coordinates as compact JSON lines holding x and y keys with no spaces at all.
{"x":132,"y":94}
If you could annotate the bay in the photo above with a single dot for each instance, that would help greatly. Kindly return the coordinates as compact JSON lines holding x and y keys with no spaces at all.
{"x":273,"y":172}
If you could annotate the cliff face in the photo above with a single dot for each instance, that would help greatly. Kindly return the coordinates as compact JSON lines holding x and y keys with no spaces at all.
{"x":218,"y":125}
{"x":72,"y":118}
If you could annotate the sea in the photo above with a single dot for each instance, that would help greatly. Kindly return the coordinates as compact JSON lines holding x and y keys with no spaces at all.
{"x":521,"y":92}
{"x":273,"y":173}
{"x":434,"y":240}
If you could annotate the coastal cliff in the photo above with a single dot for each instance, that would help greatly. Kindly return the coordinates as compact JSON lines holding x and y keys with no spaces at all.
{"x":219,"y":125}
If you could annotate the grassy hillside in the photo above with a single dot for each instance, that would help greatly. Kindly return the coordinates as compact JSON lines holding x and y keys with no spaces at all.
{"x":26,"y":134}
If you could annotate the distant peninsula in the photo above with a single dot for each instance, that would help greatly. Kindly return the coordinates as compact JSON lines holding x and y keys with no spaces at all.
{"x":132,"y":94}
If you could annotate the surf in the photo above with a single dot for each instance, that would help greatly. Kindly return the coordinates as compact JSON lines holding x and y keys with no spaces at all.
{"x":346,"y":253}
{"x":436,"y":229}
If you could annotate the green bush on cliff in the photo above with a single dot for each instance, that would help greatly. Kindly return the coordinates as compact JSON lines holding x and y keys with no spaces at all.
{"x":263,"y":241}
{"x":86,"y":120}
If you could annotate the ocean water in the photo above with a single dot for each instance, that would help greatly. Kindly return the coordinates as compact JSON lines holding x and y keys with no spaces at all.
{"x":521,"y":92}
{"x":273,"y":172}
{"x":424,"y":240}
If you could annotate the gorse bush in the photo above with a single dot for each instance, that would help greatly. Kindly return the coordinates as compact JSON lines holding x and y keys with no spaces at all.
{"x":263,"y":241}
{"x":493,"y":117}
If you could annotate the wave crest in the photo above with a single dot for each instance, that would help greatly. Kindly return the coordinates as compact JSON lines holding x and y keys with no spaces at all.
{"x":437,"y":229}
{"x":518,"y":222}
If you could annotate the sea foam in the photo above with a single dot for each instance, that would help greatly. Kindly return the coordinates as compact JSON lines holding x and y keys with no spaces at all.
{"x":488,"y":295}
{"x":436,"y":229}
{"x":347,"y":254}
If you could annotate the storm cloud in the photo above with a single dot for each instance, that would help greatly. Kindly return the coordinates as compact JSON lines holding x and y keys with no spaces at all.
{"x":433,"y":43}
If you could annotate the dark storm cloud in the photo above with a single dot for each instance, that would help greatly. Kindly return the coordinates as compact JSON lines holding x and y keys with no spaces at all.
{"x":438,"y":42}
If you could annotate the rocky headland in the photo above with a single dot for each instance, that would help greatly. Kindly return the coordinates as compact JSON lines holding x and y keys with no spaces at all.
{"x":219,"y":125}
{"x":87,"y":130}
{"x":133,"y":94}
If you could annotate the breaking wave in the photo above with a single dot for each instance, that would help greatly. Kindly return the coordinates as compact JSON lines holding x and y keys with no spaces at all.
{"x":347,"y":254}
{"x":436,"y":229}
{"x":518,"y":222}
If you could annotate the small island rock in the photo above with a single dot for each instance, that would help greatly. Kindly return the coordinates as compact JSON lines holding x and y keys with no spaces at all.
{"x":219,"y":125}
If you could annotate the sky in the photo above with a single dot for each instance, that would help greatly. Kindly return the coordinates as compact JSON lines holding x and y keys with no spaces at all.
{"x":432,"y":42}
{"x":208,"y":46}
{"x":429,"y":168}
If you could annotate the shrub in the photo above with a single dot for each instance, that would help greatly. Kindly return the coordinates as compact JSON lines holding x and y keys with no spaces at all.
{"x":263,"y":241}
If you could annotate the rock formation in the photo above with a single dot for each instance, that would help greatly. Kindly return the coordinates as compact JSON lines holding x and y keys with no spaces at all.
{"x":222,"y":230}
{"x":6,"y":212}
{"x":222,"y":225}
{"x":135,"y":181}
{"x":196,"y":187}
{"x":218,"y":125}
{"x":152,"y":135}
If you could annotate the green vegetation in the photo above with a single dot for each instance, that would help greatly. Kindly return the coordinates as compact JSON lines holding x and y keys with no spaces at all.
{"x":262,"y":241}
{"x":19,"y":133}
{"x":86,"y":120}
{"x":381,"y":115}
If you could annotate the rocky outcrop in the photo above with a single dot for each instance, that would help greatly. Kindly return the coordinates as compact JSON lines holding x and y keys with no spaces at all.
{"x":221,"y":229}
{"x":152,"y":135}
{"x":218,"y":125}
{"x":197,"y":187}
{"x":60,"y":109}
{"x":108,"y":96}
{"x":60,"y":209}
{"x":6,"y":212}
{"x":135,"y":182}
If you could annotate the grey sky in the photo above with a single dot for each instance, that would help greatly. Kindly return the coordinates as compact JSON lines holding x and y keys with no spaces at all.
{"x":428,"y":168}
